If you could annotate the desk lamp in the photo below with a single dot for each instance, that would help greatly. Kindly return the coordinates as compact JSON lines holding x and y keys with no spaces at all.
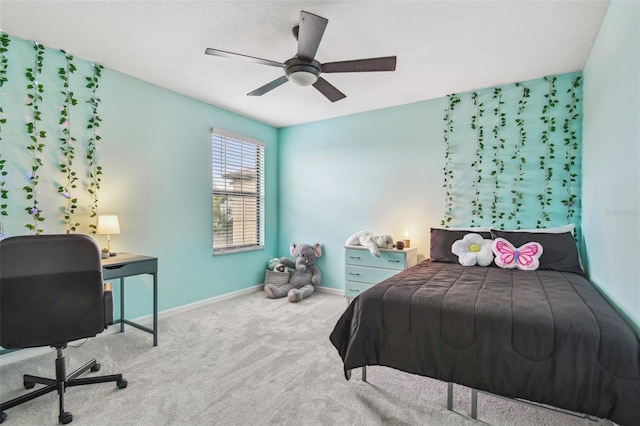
{"x":107,"y":225}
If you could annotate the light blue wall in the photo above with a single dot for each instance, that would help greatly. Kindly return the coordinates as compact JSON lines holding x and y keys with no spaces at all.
{"x":379,"y":171}
{"x":158,"y":179}
{"x":156,"y":156}
{"x":611,"y":157}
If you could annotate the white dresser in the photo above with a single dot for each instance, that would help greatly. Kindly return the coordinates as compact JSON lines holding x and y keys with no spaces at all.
{"x":362,"y":270}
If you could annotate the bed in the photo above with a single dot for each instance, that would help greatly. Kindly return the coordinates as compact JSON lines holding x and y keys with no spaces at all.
{"x":546,"y":336}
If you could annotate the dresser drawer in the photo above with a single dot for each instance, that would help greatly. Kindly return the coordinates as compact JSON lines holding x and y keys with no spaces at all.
{"x":362,"y":270}
{"x":352,"y":289}
{"x":388,"y":259}
{"x":367,"y":275}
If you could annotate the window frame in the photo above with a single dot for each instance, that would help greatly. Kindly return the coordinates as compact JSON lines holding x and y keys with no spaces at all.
{"x":251,"y":154}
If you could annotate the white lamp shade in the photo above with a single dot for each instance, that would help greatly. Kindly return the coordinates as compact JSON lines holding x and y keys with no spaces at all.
{"x":108,"y":225}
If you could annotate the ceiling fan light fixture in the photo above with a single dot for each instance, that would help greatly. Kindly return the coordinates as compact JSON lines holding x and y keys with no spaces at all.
{"x":301,"y":73}
{"x":303,"y":78}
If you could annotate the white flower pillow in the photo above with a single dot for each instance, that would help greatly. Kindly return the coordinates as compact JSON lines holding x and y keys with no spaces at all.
{"x":472,"y":250}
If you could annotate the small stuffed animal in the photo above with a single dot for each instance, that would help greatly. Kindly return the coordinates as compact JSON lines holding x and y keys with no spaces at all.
{"x":305,"y":276}
{"x":273,"y":262}
{"x":371,"y":241}
{"x":280,"y":268}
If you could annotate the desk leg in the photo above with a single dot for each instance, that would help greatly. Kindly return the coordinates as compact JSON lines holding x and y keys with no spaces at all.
{"x":121,"y":305}
{"x":155,"y":309}
{"x":474,"y":404}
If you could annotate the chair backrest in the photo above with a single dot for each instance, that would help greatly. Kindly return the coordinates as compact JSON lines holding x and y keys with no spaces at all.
{"x":51,"y":290}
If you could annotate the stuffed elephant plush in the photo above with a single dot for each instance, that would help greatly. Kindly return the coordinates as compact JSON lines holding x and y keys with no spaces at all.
{"x":305,"y":275}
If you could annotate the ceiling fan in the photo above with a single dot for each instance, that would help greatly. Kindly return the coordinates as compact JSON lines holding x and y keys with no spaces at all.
{"x":303,"y":69}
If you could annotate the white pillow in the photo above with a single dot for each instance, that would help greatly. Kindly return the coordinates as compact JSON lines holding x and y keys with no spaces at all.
{"x":468,"y":228}
{"x":557,"y":230}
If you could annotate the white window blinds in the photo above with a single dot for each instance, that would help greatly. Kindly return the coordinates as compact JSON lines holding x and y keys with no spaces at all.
{"x":238,"y":192}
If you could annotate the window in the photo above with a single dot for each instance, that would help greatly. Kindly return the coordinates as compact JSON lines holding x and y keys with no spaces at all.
{"x":238,"y":192}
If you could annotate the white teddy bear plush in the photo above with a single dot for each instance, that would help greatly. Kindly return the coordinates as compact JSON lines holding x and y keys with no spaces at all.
{"x":371,"y":241}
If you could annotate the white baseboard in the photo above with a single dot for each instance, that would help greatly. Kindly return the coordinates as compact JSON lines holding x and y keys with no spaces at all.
{"x":200,"y":303}
{"x":335,"y":291}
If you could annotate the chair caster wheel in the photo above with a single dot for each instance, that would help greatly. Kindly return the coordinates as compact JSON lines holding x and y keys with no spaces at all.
{"x":122,"y":384}
{"x":65,"y":418}
{"x":29,"y":385}
{"x":96,"y":367}
{"x":3,"y":416}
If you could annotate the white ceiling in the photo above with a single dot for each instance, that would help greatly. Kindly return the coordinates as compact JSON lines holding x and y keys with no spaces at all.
{"x":442,"y":47}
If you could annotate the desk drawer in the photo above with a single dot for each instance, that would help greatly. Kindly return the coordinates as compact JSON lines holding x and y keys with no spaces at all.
{"x":128,"y":269}
{"x":388,"y":259}
{"x":352,"y":289}
{"x":367,"y":275}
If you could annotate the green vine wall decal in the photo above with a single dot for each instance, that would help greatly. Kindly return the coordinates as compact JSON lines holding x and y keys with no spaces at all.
{"x":526,"y":172}
{"x":448,"y":168}
{"x":516,"y":192}
{"x":5,"y":41}
{"x":476,"y":211}
{"x":36,"y":138}
{"x":95,"y":171}
{"x":571,"y":147}
{"x":498,"y":162}
{"x":56,"y":110}
{"x":67,"y":142}
{"x":549,"y":120}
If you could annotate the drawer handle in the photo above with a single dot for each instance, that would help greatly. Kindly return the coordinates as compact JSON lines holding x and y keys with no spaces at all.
{"x":354,"y":273}
{"x":354,"y":257}
{"x":355,"y":290}
{"x":393,"y":260}
{"x":114,"y":267}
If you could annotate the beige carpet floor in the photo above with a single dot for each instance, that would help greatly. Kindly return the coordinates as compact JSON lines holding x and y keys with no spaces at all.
{"x":249,"y":361}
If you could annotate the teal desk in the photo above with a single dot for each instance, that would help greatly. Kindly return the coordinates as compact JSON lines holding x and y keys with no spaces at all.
{"x":127,"y":265}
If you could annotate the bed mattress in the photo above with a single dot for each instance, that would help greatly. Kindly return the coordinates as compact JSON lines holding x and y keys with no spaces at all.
{"x":544,"y":336}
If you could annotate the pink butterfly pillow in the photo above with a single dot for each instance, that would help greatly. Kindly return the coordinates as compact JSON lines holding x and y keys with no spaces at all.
{"x":526,"y":257}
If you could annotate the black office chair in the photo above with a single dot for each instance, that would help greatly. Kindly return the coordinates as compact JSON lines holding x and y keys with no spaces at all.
{"x":51,"y":293}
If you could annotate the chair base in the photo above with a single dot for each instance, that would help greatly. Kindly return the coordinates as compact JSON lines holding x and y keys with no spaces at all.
{"x":60,"y":384}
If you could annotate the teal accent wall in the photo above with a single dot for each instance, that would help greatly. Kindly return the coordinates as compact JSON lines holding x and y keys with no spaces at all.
{"x":513,"y":156}
{"x":611,"y":158}
{"x":156,"y":157}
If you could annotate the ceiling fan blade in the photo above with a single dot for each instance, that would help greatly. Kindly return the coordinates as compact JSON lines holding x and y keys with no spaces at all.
{"x":309,"y":34}
{"x":226,"y":54}
{"x":269,"y":86}
{"x":387,"y":63}
{"x":328,"y":90}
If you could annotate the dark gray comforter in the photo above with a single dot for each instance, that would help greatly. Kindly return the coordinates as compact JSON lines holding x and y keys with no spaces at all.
{"x":544,"y":336}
